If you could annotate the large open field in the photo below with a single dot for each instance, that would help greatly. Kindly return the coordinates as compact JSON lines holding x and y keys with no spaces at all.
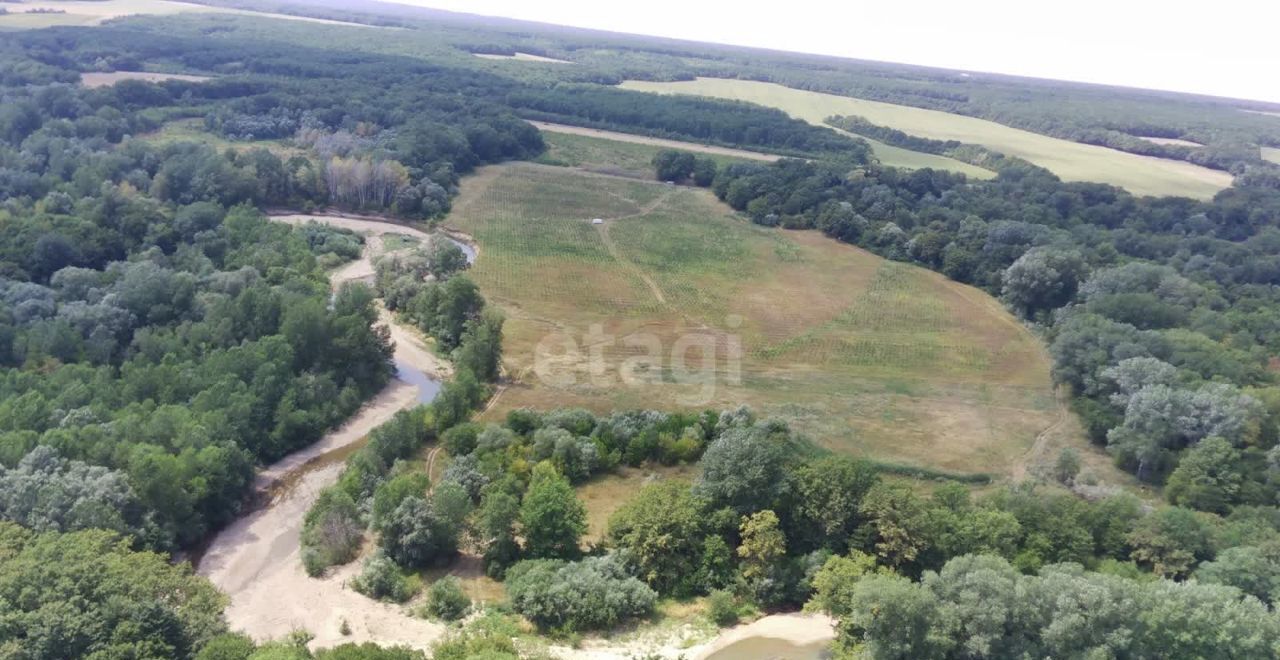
{"x":1272,"y":154}
{"x":1072,"y":161}
{"x":864,"y":355}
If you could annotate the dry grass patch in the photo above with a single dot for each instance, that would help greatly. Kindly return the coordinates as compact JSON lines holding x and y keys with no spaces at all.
{"x":864,"y":355}
{"x":605,"y":493}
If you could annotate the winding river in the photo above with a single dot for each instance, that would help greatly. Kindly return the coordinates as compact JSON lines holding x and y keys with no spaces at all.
{"x":257,"y":559}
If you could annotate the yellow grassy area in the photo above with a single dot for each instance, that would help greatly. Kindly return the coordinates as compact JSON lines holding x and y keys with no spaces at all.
{"x":1073,"y":161}
{"x":865,"y":355}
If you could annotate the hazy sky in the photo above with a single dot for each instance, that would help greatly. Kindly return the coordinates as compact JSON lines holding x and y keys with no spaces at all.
{"x":1224,"y":47}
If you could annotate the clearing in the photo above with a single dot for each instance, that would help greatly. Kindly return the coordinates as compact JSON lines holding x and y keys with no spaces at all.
{"x":192,"y":129}
{"x":1177,"y":142}
{"x":521,"y":57}
{"x":93,"y":12}
{"x":661,"y":143}
{"x":1271,"y":153}
{"x":1073,"y":161}
{"x":98,"y":79}
{"x":650,"y":308}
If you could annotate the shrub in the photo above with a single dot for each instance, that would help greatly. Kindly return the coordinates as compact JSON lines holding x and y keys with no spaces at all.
{"x":382,"y":579}
{"x":446,"y":600}
{"x":722,"y":608}
{"x":592,"y":594}
{"x":331,"y":531}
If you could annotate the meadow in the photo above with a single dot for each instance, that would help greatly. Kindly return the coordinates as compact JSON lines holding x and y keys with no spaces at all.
{"x":1271,"y":153}
{"x":587,"y":150}
{"x":1072,"y":161}
{"x":863,"y":355}
{"x":191,"y":129}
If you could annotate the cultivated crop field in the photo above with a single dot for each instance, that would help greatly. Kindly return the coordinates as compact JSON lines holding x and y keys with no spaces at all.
{"x":864,"y":355}
{"x":1072,"y":161}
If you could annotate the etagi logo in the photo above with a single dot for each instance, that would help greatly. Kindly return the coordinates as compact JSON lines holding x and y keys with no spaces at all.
{"x":700,"y":359}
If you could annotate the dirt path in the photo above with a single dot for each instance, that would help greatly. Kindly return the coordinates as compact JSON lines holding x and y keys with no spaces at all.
{"x":257,"y":559}
{"x":622,"y":259}
{"x":655,"y":142}
{"x":1036,"y":454}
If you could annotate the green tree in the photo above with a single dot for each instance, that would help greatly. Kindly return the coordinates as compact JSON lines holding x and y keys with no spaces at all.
{"x":1209,"y":477}
{"x":763,"y":544}
{"x":658,"y":531}
{"x":86,"y":594}
{"x":828,"y":494}
{"x":1171,"y":541}
{"x":552,"y":518}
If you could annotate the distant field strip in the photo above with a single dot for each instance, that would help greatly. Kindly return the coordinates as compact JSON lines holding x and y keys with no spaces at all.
{"x":92,"y":12}
{"x":1073,"y":161}
{"x":1271,"y":153}
{"x":521,"y":57}
{"x":864,"y":355}
{"x":98,"y":79}
{"x":655,"y":142}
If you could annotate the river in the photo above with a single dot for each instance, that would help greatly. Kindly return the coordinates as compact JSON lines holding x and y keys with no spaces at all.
{"x":256,"y":560}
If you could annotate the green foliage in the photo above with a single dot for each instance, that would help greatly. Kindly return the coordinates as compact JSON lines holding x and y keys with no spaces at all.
{"x":332,"y":531}
{"x":390,"y":493}
{"x":1171,"y":541}
{"x":744,"y":469}
{"x":1255,"y":570}
{"x":491,"y":637}
{"x":657,"y":532}
{"x":382,"y":579}
{"x":722,"y":608}
{"x":593,"y":594}
{"x":552,"y":518}
{"x":827,"y":494}
{"x":424,"y":530}
{"x":446,"y":600}
{"x":763,"y":544}
{"x":227,"y":646}
{"x":980,"y":606}
{"x":85,"y":593}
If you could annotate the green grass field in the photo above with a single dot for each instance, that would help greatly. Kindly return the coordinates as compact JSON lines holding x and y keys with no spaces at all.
{"x":915,"y":160}
{"x":1072,"y":161}
{"x":864,"y":355}
{"x":1271,"y":153}
{"x":607,"y":156}
{"x":192,"y":130}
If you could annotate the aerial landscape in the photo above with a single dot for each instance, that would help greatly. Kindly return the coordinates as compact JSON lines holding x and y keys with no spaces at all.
{"x":368,"y":331}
